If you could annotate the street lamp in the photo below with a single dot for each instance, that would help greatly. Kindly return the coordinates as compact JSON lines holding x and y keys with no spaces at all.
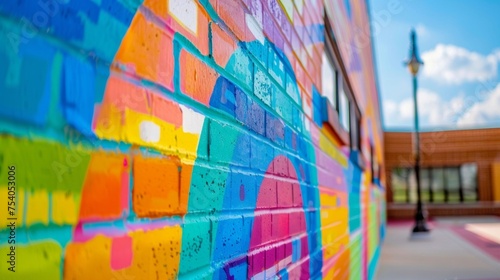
{"x":413,"y":64}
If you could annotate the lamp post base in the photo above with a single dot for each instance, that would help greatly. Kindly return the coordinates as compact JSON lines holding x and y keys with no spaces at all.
{"x":420,"y":228}
{"x":420,"y":225}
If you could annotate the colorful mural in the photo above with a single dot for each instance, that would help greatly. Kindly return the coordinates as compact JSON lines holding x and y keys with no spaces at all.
{"x":180,"y":139}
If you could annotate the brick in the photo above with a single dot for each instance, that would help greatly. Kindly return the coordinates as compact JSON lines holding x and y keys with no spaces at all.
{"x":243,"y":190}
{"x":281,"y":166}
{"x":280,"y":227}
{"x":196,"y":243}
{"x":270,"y":262}
{"x":285,"y":194}
{"x":267,"y":198}
{"x":262,"y":87}
{"x":241,"y":68}
{"x":276,"y":66}
{"x":275,"y":129}
{"x":156,"y":187}
{"x":185,"y":17}
{"x":207,"y":189}
{"x":197,"y":79}
{"x":231,"y":239}
{"x":233,"y":15}
{"x":111,"y":171}
{"x":224,"y":138}
{"x":147,"y":50}
{"x":223,"y":46}
{"x":213,"y":104}
{"x":257,"y":263}
{"x":297,"y":195}
{"x":261,"y":155}
{"x":256,"y":118}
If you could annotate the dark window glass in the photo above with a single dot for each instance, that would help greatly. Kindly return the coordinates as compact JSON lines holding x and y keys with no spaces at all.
{"x":452,"y":180}
{"x":437,"y":185}
{"x":425,"y":183}
{"x":398,"y":183}
{"x":344,"y":108}
{"x":355,"y":129}
{"x":469,"y":181}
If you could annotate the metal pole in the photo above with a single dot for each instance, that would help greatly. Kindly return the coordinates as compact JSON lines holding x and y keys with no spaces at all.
{"x":420,"y":225}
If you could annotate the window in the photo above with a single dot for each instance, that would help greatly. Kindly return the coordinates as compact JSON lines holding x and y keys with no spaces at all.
{"x":438,"y":185}
{"x":344,"y":108}
{"x":399,"y":182}
{"x":452,"y":183}
{"x":340,"y":109}
{"x":468,"y":173}
{"x":355,"y":127}
{"x":329,"y":79}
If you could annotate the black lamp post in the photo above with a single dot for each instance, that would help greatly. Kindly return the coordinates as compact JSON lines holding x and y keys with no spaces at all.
{"x":413,"y":65}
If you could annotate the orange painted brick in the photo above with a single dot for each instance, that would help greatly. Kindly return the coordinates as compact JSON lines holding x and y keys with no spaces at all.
{"x":185,"y":184}
{"x":146,"y":50}
{"x":106,"y":187}
{"x":197,"y":78}
{"x":156,"y":187}
{"x":223,"y":46}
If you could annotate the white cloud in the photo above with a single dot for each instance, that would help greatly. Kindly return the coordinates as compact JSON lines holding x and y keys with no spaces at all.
{"x":483,"y":112}
{"x":457,"y":65}
{"x":477,"y":109}
{"x":433,"y":110}
{"x":390,"y":107}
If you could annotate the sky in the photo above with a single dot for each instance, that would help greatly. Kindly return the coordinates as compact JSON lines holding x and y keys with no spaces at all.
{"x":459,"y":42}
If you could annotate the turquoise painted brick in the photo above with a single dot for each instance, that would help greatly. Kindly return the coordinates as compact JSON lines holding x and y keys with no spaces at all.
{"x":196,"y":243}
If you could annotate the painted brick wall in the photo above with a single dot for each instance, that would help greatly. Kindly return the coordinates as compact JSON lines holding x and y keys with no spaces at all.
{"x":178,"y":139}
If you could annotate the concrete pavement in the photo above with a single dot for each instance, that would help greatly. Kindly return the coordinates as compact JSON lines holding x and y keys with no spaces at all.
{"x":453,"y":251}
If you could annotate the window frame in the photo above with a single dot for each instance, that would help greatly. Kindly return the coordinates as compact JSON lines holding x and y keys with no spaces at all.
{"x":334,"y":64}
{"x":332,"y":112}
{"x":445,"y":190}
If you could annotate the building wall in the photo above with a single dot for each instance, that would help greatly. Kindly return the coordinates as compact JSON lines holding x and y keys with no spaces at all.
{"x":177,"y":139}
{"x":448,"y":148}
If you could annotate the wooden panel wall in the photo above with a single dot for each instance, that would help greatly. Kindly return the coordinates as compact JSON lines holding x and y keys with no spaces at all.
{"x":446,"y":148}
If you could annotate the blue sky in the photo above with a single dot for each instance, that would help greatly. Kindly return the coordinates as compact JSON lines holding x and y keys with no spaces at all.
{"x":459,"y":41}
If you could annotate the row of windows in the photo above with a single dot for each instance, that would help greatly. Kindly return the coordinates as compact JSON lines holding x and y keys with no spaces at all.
{"x":334,"y":90}
{"x":438,"y":185}
{"x":339,"y":96}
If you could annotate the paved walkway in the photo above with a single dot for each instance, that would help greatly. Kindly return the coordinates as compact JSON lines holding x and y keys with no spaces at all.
{"x":456,"y":249}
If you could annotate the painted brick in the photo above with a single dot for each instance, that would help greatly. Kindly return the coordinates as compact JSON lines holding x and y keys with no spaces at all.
{"x":156,"y":187}
{"x":262,"y":87}
{"x":196,"y":243}
{"x":197,"y":79}
{"x":224,"y":45}
{"x":147,"y":51}
{"x":268,"y":197}
{"x":181,"y":139}
{"x":244,"y":190}
{"x":285,"y":194}
{"x":256,"y":118}
{"x":231,"y":242}
{"x":261,"y":151}
{"x":207,"y":189}
{"x":185,"y":17}
{"x":220,"y":140}
{"x":233,"y":15}
{"x":109,"y":202}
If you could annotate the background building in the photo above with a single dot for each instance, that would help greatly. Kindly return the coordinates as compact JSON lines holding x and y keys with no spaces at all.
{"x":460,"y":174}
{"x":204,"y":139}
